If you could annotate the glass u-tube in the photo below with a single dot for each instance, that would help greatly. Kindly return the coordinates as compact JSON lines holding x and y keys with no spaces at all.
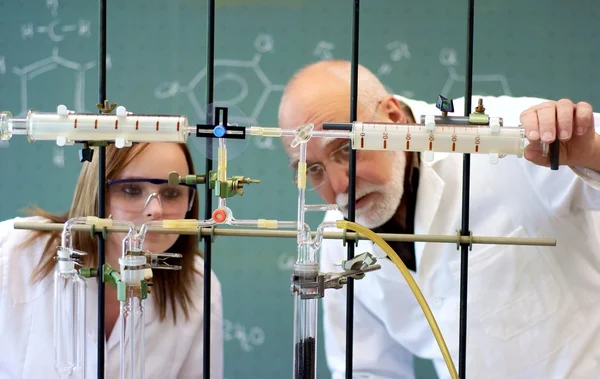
{"x":69,"y":309}
{"x":69,"y":319}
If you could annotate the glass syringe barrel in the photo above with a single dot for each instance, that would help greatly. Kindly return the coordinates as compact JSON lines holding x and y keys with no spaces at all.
{"x":473,"y":139}
{"x":67,"y":127}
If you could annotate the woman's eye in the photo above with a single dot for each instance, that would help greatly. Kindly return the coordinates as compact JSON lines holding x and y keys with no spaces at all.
{"x":132,"y":190}
{"x":171,"y":193}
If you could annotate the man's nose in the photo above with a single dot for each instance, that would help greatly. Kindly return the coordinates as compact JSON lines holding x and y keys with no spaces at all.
{"x":338,"y":178}
{"x":153,"y":207}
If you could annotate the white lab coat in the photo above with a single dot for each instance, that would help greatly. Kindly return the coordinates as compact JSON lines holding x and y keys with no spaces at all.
{"x":533,"y":312}
{"x":26,"y":323}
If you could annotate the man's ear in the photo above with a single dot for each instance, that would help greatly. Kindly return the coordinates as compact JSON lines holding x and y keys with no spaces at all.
{"x":393,"y":109}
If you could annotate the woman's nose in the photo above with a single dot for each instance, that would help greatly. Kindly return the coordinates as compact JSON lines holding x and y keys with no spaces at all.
{"x":153,"y":207}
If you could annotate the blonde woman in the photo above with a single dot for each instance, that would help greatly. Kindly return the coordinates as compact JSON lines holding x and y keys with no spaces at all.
{"x":136,"y":191}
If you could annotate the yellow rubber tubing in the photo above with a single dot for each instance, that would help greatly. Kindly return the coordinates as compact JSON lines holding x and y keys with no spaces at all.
{"x":342,"y":224}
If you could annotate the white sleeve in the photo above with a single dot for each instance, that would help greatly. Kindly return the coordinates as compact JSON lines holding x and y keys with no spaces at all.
{"x":375,"y":354}
{"x":563,"y":190}
{"x":216,"y":331}
{"x":192,"y":366}
{"x":569,"y":188}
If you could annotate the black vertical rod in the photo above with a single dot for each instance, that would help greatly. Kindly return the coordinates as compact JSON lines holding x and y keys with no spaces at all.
{"x":210,"y":61}
{"x":352,"y":188}
{"x":464,"y":252}
{"x":101,"y":192}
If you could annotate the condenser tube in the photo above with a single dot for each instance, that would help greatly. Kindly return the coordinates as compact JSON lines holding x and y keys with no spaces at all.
{"x":69,"y":318}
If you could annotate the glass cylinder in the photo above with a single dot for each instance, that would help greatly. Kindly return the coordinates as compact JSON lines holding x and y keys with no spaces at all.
{"x":69,"y":324}
{"x":305,"y":337}
{"x":132,"y":318}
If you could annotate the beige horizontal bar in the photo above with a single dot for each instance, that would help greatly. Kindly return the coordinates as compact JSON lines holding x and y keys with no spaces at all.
{"x":271,"y":233}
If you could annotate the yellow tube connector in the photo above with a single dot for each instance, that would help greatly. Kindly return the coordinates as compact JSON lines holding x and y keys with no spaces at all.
{"x":266,"y":132}
{"x":180,"y":224}
{"x":267,"y":224}
{"x":342,"y":224}
{"x":222,"y":171}
{"x":301,"y":175}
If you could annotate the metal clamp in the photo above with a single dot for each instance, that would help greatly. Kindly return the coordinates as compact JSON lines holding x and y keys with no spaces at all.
{"x":93,"y":231}
{"x":458,"y":237}
{"x":345,"y":240}
{"x":314,"y":286}
{"x":158,"y":260}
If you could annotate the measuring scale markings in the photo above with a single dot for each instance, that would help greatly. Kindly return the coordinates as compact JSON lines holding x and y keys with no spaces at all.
{"x":445,"y":138}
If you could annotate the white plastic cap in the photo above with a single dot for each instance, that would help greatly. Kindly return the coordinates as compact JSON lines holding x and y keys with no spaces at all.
{"x":65,"y":266}
{"x":428,"y":156}
{"x":430,"y":123}
{"x":132,"y":276}
{"x":62,"y":110}
{"x":121,"y":111}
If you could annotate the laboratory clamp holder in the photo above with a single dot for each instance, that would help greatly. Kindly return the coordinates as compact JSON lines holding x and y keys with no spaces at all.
{"x":477,"y":133}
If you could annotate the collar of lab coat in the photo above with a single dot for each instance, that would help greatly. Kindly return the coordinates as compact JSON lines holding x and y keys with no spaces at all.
{"x":431,"y":184}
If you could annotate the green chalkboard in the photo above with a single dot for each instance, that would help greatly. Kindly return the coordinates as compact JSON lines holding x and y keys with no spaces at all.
{"x":156,"y":64}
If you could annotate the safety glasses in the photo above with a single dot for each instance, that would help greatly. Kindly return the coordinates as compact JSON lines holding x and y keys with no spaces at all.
{"x":134,"y":195}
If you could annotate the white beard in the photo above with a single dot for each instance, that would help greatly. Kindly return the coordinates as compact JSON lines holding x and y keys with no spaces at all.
{"x":381,"y":209}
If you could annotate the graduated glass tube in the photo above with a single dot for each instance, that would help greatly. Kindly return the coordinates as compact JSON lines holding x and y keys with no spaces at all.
{"x":69,"y":309}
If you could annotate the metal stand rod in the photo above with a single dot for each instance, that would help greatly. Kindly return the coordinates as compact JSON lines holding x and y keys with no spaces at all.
{"x":101,"y":193}
{"x":207,"y":252}
{"x":349,"y":236}
{"x":464,"y":248}
{"x":352,"y":187}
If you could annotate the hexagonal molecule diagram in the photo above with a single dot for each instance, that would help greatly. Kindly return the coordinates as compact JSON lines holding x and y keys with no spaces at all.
{"x":233,"y":79}
{"x":496,"y":82}
{"x":31,"y":71}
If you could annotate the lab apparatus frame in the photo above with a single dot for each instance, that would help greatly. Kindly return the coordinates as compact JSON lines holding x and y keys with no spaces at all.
{"x":306,"y":291}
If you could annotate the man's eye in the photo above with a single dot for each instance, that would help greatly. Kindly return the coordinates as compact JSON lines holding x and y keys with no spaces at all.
{"x":313,"y":170}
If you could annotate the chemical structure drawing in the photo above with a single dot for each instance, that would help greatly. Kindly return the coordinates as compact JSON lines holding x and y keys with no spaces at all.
{"x":248,"y":338}
{"x":448,"y":58}
{"x":56,"y":33}
{"x":324,"y":50}
{"x":229,"y":70}
{"x":397,"y":51}
{"x":48,"y":64}
{"x":285,"y":262}
{"x":54,"y":30}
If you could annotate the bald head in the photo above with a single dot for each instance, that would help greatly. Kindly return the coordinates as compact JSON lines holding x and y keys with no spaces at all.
{"x":327,"y":84}
{"x":320,"y":93}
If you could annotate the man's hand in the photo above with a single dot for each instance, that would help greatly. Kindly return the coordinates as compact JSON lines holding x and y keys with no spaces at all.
{"x":573,"y":124}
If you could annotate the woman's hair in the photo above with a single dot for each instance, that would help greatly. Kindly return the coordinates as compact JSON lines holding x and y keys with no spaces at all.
{"x":169,"y":288}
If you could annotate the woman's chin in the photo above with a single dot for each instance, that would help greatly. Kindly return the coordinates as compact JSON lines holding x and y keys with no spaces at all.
{"x":158,"y":243}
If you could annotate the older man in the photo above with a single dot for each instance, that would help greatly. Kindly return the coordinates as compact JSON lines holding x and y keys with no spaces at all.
{"x":533,"y":311}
